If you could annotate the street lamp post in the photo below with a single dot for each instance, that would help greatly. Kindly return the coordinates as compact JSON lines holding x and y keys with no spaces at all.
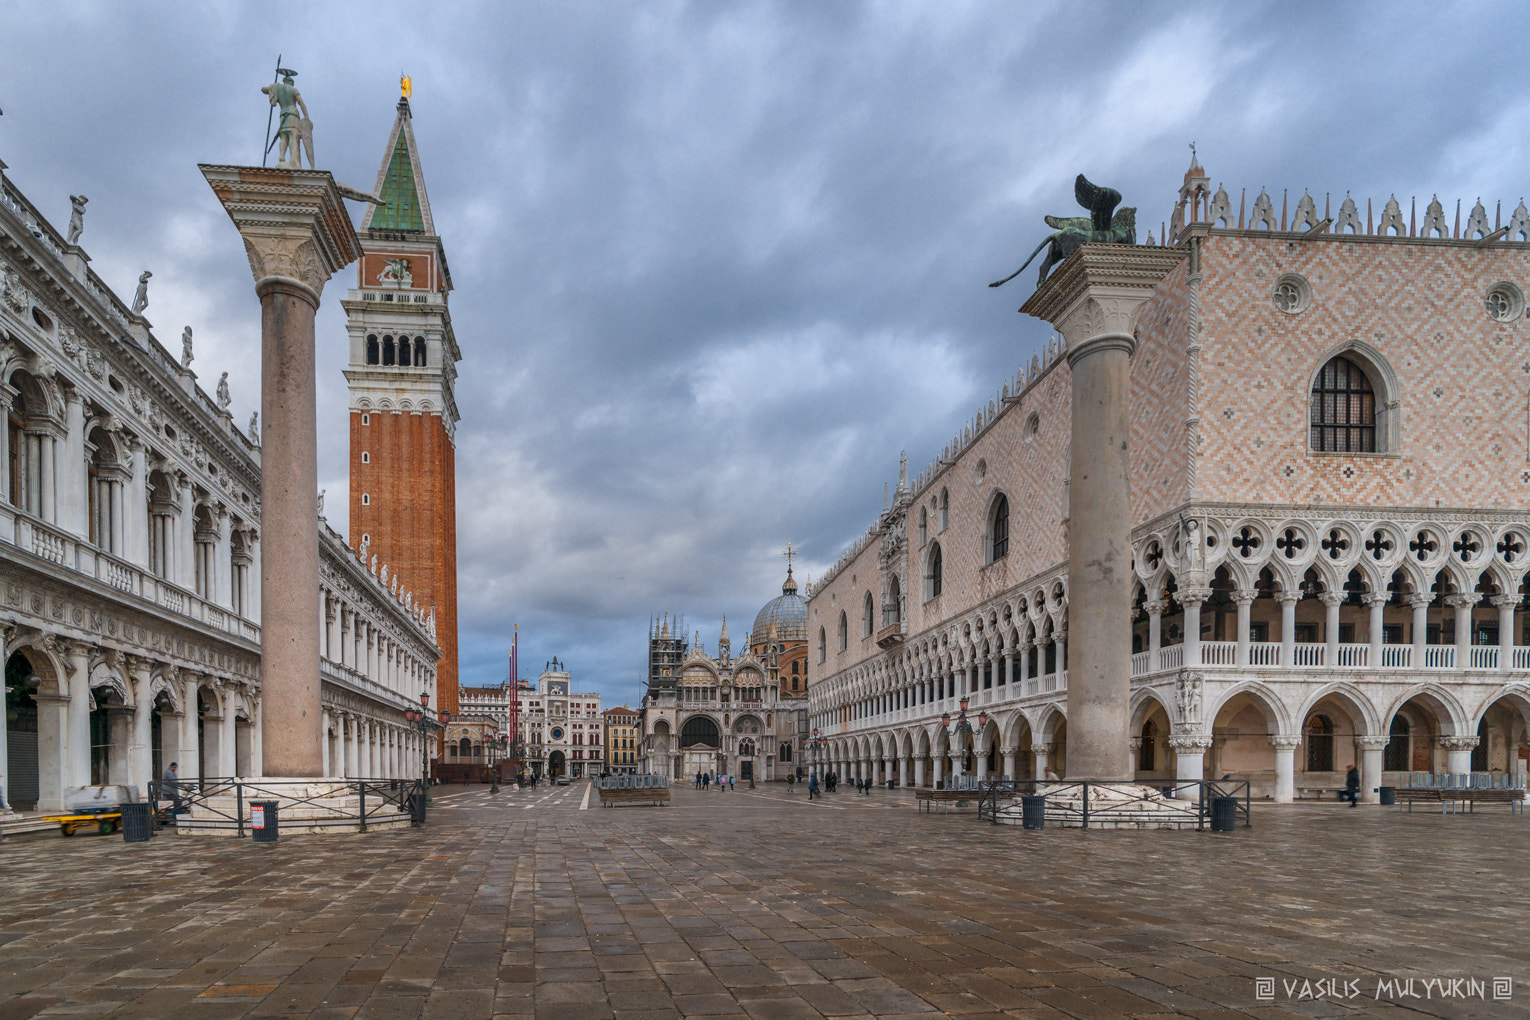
{"x":962,"y":731}
{"x":499,"y":740}
{"x":421,"y":721}
{"x":819,"y":742}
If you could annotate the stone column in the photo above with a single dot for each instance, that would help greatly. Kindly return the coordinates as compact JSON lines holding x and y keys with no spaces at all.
{"x":140,"y":753}
{"x":1244,"y":598}
{"x":324,"y":745}
{"x":1092,"y":299}
{"x":77,"y":767}
{"x":1189,"y":760}
{"x":75,"y":503}
{"x":52,"y":749}
{"x":297,"y":234}
{"x":1285,"y":745}
{"x":1505,"y":604}
{"x":1331,"y":600}
{"x":939,"y":762}
{"x":1288,"y":601}
{"x":1463,"y":605}
{"x":1040,"y":753}
{"x":1420,"y":605}
{"x":1011,"y":753}
{"x":1191,"y":600}
{"x":1370,"y":749}
{"x":919,"y":772}
{"x":1458,"y":753}
{"x":1155,"y":608}
{"x":135,"y":514}
{"x":228,"y":738}
{"x":1376,"y":602}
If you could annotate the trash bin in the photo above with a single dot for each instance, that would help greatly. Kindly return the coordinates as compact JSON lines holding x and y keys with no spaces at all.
{"x":416,"y":809}
{"x":1033,"y":811}
{"x":940,"y":784}
{"x":891,"y":784}
{"x":1224,"y":814}
{"x":137,"y":822}
{"x":263,"y":822}
{"x":1388,"y":795}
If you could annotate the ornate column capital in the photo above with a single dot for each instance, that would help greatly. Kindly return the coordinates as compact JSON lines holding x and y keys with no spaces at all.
{"x":1041,"y":748}
{"x":1332,"y":599}
{"x":1372,"y":743}
{"x":1192,"y":596}
{"x":1285,"y":741}
{"x":1097,"y":291}
{"x":293,"y":223}
{"x":1506,"y":601}
{"x":1377,"y":598}
{"x":1423,"y":601}
{"x":1155,"y":607}
{"x":1463,"y":601}
{"x":1245,"y":596}
{"x":1458,"y":743}
{"x":1182,"y":744}
{"x":1288,"y":598}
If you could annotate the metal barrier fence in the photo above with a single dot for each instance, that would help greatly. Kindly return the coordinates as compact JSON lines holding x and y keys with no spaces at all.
{"x":1057,"y":794}
{"x":1464,"y":781}
{"x":375,"y":798}
{"x":632,"y":782}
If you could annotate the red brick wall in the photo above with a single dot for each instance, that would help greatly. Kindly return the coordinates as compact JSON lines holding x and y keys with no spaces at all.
{"x":412,"y":517}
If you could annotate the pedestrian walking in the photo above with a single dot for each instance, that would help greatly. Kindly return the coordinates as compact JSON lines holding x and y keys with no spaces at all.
{"x":812,"y":785}
{"x":791,"y":778}
{"x":731,"y":780}
{"x":170,"y":787}
{"x":1351,"y":787}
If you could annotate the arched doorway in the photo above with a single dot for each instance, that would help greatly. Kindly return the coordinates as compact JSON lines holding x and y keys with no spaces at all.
{"x":21,"y":773}
{"x":557,"y":765}
{"x":700,"y":743}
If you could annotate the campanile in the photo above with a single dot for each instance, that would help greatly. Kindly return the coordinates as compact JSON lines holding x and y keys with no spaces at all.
{"x":402,"y":375}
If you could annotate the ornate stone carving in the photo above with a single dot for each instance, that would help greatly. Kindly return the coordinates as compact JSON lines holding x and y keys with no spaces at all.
{"x":1187,"y":695}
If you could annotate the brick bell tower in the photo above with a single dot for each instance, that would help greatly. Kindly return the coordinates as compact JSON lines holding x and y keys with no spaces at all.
{"x":402,"y":376}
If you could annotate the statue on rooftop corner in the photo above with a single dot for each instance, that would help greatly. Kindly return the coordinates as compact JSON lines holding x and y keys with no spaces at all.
{"x":290,"y":132}
{"x":255,"y":428}
{"x":223,"y":398}
{"x":76,"y":218}
{"x":141,"y":299}
{"x":1104,"y":225}
{"x":186,"y":356}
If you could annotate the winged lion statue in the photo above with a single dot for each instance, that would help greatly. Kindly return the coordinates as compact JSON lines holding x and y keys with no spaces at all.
{"x":1104,"y":225}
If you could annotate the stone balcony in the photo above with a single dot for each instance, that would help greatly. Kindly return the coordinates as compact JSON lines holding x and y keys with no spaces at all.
{"x":1273,"y":655}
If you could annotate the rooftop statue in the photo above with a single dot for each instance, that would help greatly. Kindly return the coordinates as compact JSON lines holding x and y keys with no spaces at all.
{"x":293,"y":131}
{"x":1099,"y":227}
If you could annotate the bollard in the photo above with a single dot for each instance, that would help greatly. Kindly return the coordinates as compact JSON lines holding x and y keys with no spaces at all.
{"x":263,"y":821}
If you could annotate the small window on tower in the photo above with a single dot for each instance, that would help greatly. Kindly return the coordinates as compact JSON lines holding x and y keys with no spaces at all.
{"x":366,"y":499}
{"x":366,"y":539}
{"x":366,"y":419}
{"x":366,"y":458}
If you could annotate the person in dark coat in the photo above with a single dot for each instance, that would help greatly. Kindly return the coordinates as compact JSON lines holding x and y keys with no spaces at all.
{"x":812,"y":786}
{"x":1352,"y":786}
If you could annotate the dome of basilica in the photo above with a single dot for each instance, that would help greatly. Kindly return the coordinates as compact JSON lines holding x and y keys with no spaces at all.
{"x":788,"y":611}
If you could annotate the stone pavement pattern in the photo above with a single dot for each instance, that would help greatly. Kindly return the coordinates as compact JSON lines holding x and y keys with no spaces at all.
{"x":759,"y":904}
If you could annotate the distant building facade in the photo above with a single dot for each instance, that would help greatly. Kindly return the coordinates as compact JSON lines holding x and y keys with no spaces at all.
{"x":624,"y":734}
{"x":561,"y":728}
{"x":725,"y":716}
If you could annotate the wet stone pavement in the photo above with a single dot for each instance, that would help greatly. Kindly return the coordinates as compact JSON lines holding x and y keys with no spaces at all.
{"x":759,"y":904}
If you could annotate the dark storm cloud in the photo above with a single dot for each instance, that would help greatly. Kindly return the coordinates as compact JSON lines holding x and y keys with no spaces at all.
{"x":716,"y":265}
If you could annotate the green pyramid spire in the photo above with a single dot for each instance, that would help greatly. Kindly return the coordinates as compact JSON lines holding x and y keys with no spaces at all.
{"x":401,"y":210}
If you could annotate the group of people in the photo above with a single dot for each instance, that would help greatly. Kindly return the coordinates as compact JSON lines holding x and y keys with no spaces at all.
{"x":705,"y":781}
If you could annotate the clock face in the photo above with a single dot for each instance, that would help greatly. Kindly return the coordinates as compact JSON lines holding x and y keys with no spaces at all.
{"x":557,"y":732}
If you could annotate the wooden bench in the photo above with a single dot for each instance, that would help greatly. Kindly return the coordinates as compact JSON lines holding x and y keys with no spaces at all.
{"x":1448,"y":798}
{"x":939,"y":800}
{"x":658,"y":795}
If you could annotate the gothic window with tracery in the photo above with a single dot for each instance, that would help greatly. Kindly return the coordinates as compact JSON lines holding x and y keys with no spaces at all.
{"x":823,"y":645}
{"x":998,"y":529}
{"x":932,"y":575}
{"x":1343,"y":409}
{"x":844,"y":631}
{"x":867,"y":616}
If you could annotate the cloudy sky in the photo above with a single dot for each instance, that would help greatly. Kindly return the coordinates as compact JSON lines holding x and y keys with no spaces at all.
{"x":717,"y":264}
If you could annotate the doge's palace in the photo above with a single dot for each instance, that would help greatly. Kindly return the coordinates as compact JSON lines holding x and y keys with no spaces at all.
{"x":1329,"y":475}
